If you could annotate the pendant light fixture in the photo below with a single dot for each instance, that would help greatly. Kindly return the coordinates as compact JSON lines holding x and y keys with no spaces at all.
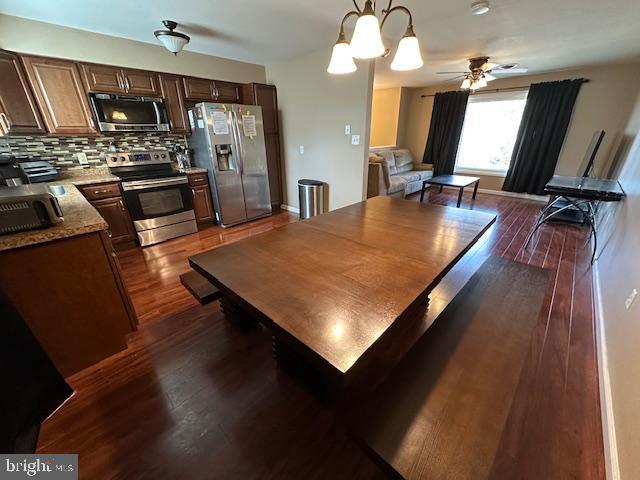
{"x":173,"y":41}
{"x":367,"y":41}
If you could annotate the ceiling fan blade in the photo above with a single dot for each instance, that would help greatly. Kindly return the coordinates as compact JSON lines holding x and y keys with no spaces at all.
{"x":456,"y":78}
{"x":451,"y":73}
{"x":487,"y":67}
{"x":488,"y":77}
{"x":513,"y":68}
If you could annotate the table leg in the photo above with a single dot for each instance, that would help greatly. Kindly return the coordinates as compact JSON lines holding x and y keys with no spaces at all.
{"x":234,"y":313}
{"x":422,"y":191}
{"x":460,"y":196}
{"x":475,"y":190}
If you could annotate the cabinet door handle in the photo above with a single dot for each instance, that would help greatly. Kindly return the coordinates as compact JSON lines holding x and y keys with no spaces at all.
{"x":4,"y":128}
{"x":122,"y":206}
{"x":126,"y":83}
{"x":92,"y":123}
{"x":98,"y":192}
{"x":7,"y":122}
{"x":120,"y":82}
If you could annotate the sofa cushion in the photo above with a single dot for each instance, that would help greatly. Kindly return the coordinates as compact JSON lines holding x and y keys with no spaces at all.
{"x":396,"y":184}
{"x":409,"y":176}
{"x":403,"y":160}
{"x":424,"y":174}
{"x":390,"y":160}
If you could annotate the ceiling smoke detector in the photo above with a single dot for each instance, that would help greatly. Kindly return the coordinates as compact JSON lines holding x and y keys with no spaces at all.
{"x":480,"y":7}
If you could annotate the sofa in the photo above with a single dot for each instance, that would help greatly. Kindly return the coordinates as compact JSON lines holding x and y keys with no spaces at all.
{"x":393,"y":172}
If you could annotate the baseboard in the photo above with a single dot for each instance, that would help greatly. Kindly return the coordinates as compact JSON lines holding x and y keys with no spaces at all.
{"x":524,"y":196}
{"x":289,"y":208}
{"x":606,"y":405}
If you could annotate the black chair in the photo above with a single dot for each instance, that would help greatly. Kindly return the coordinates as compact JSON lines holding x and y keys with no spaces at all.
{"x":32,"y":388}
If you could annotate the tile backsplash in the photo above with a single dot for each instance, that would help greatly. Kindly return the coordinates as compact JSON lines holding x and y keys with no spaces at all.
{"x":61,"y":151}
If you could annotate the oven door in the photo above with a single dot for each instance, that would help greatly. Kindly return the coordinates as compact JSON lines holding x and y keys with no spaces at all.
{"x":158,"y":202}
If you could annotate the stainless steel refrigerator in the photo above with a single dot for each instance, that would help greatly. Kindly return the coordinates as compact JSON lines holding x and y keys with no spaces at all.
{"x":228,"y":140}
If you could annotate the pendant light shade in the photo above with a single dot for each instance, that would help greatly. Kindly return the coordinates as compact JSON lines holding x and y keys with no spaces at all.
{"x":408,"y":56}
{"x":466,"y":84}
{"x":367,"y":41}
{"x":172,"y":41}
{"x":341,"y":58}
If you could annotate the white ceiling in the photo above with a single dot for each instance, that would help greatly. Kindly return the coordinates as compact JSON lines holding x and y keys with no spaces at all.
{"x":541,"y":34}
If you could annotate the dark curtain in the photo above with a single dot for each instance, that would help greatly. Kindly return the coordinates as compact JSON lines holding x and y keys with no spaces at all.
{"x":31,"y":386}
{"x":447,"y":118}
{"x":541,"y":134}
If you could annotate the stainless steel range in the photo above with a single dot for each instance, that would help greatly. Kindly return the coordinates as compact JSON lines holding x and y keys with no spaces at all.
{"x":158,"y":197}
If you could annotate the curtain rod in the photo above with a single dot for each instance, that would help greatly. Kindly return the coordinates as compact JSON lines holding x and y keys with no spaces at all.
{"x":495,"y":90}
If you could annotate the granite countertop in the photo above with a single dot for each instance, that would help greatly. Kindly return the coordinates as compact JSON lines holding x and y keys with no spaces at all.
{"x":79,"y":218}
{"x":86,"y":177}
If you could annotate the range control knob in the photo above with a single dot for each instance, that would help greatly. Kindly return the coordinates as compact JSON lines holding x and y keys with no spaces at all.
{"x":122,"y":159}
{"x":156,"y":156}
{"x":163,"y":156}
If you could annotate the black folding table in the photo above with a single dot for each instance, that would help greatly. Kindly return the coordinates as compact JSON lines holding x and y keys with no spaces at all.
{"x":582,"y":193}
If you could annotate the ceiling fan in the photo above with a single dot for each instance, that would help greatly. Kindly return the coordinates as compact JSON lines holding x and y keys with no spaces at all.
{"x":482,"y":71}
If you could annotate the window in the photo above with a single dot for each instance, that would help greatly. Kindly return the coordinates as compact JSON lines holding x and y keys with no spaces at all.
{"x":489,"y":132}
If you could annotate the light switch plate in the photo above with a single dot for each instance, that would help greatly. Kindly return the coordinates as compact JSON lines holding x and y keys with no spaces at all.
{"x":301,"y":149}
{"x":347,"y":129}
{"x":355,"y":139}
{"x":82,"y":158}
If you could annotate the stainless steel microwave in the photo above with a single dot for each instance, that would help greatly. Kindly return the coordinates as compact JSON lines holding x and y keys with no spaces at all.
{"x":127,"y":113}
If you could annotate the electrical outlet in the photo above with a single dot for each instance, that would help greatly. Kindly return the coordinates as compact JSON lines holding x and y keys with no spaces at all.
{"x":82,"y":158}
{"x":355,"y":139}
{"x":347,"y":129}
{"x":301,"y":148}
{"x":629,"y":301}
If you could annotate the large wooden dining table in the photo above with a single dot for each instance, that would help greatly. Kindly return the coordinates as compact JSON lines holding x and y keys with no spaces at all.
{"x":333,"y":286}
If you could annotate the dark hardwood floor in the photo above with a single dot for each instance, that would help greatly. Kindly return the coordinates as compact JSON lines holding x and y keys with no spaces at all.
{"x":197,"y":397}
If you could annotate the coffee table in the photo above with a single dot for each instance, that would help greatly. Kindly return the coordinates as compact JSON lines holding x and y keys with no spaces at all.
{"x":457,"y":181}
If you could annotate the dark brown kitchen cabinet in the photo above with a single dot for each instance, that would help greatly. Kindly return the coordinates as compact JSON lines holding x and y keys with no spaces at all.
{"x":103,"y":78}
{"x":107,"y":199}
{"x":204,"y":90}
{"x":202,"y":202}
{"x":110,"y":79}
{"x":60,"y":94}
{"x":198,"y":89}
{"x":226,"y":92}
{"x":19,"y":112}
{"x":266,"y":96}
{"x":116,"y":215}
{"x":172,"y":92}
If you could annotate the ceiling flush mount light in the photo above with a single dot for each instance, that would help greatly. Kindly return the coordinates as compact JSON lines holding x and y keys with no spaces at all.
{"x":173,"y":41}
{"x":480,"y":7}
{"x":367,"y":41}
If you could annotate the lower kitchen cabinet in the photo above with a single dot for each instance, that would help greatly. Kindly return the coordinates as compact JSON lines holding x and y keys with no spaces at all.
{"x":202,"y":202}
{"x":116,"y":215}
{"x":107,"y":199}
{"x":71,"y":295}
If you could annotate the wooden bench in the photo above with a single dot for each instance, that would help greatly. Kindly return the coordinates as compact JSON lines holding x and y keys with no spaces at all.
{"x":442,"y":411}
{"x":201,"y":288}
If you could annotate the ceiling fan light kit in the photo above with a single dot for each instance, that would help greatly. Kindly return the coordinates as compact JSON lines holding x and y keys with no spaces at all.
{"x":367,"y":41}
{"x":172,"y":41}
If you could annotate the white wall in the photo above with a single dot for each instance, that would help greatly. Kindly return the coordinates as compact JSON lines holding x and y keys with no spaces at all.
{"x":39,"y":38}
{"x":314,"y":109}
{"x":619,"y":273}
{"x":603,"y":103}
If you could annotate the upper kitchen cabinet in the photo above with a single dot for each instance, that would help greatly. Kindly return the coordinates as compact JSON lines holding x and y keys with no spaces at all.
{"x":60,"y":94}
{"x":172,"y":92}
{"x":108,"y":79}
{"x":226,"y":92}
{"x":198,"y":89}
{"x":204,"y":90}
{"x":19,"y":112}
{"x":267,"y":97}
